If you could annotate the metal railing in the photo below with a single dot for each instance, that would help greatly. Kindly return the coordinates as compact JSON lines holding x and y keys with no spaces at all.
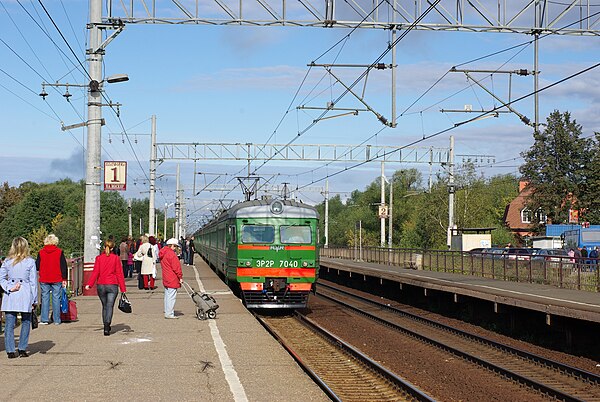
{"x":562,"y":272}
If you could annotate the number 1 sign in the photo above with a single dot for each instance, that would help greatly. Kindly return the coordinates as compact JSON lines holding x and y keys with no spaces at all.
{"x":115,"y":175}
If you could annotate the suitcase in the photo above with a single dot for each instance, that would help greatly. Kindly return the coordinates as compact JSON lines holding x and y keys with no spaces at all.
{"x":70,"y":315}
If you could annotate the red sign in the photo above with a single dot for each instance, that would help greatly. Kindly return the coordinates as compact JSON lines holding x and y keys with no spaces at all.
{"x":115,"y":175}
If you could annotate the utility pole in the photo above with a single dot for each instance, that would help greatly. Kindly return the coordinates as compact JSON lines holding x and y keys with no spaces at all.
{"x":450,"y":193}
{"x":91,"y":239}
{"x":177,"y":206}
{"x":382,"y":208}
{"x":152,"y":229}
{"x":390,"y":212}
{"x":165,"y":234}
{"x":129,"y":220}
{"x":326,"y":245}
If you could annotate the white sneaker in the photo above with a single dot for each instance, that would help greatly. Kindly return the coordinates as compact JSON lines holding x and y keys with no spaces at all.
{"x":171,"y":317}
{"x":43,"y":323}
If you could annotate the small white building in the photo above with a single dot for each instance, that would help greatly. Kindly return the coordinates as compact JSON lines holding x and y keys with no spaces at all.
{"x":546,"y":242}
{"x":467,"y":239}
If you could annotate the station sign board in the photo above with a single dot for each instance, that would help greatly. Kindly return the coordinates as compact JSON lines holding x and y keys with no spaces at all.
{"x":115,"y":176}
{"x":383,"y":212}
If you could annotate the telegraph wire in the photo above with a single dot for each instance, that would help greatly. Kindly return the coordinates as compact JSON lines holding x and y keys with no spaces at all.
{"x":456,"y":125}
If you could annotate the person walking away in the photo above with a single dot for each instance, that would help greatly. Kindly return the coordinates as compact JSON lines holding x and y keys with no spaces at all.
{"x":124,"y":255}
{"x":191,"y":250}
{"x":18,"y":278}
{"x":172,"y":275}
{"x":52,"y":266}
{"x":145,"y":255}
{"x":594,"y":258}
{"x":129,"y":264}
{"x":108,"y":274}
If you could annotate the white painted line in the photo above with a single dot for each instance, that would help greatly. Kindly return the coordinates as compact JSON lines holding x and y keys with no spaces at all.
{"x":236,"y":387}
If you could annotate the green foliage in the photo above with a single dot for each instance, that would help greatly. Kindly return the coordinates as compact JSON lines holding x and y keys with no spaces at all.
{"x":556,"y":166}
{"x":36,"y":240}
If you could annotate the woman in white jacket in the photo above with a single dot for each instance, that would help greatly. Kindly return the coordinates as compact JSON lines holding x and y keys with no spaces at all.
{"x":146,"y":254}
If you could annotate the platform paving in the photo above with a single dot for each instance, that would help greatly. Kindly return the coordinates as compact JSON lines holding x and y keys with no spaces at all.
{"x":148,"y":357}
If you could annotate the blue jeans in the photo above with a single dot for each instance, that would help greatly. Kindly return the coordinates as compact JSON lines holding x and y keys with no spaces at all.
{"x":170,"y":298}
{"x":107,"y":295}
{"x":9,"y":331}
{"x":56,"y":289}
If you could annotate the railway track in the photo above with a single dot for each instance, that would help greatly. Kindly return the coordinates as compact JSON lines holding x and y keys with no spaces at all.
{"x":551,"y":378}
{"x":343,"y":373}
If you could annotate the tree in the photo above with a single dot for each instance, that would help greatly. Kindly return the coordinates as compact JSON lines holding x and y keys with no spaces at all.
{"x":555,"y":166}
{"x":588,"y":193}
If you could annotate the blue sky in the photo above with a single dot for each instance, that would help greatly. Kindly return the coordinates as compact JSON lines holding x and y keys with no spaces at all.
{"x":235,"y":85}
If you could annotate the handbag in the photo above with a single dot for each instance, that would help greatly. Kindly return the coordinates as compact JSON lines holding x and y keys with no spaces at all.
{"x":124,"y":304}
{"x":34,"y":319}
{"x":149,"y":252}
{"x":64,"y":301}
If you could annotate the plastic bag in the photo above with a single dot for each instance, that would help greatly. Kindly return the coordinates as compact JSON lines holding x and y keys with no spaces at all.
{"x":64,"y":301}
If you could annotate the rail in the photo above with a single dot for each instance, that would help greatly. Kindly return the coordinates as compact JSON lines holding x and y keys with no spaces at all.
{"x":562,"y":272}
{"x":75,"y":275}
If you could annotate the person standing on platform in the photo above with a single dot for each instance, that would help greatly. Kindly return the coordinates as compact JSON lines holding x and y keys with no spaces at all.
{"x":108,"y":274}
{"x":172,"y":275}
{"x":191,"y":251}
{"x":124,"y":255}
{"x":184,"y":250}
{"x":148,"y":268}
{"x":18,"y":278}
{"x":52,"y":266}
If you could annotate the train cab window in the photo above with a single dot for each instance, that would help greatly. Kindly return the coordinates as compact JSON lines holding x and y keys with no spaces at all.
{"x":258,"y":234}
{"x":295,"y":234}
{"x":232,"y":234}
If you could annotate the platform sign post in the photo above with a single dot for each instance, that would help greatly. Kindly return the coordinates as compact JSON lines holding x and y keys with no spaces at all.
{"x":115,"y":176}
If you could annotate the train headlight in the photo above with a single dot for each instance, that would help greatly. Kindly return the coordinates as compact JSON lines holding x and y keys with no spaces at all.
{"x":248,"y":263}
{"x":305,"y":264}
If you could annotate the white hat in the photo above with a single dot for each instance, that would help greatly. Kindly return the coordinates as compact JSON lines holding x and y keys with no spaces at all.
{"x":172,"y":241}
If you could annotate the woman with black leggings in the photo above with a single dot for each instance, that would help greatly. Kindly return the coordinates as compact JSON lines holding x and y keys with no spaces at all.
{"x":108,"y":274}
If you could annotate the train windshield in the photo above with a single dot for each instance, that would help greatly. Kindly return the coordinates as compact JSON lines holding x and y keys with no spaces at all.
{"x":295,"y":234}
{"x":258,"y":234}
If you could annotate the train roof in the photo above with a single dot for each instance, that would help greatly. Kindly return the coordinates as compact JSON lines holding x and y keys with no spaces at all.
{"x":261,"y":208}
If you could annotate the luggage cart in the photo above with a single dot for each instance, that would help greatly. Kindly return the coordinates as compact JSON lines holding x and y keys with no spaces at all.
{"x":206,"y":305}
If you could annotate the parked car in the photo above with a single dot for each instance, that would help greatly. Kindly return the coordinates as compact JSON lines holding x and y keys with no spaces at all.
{"x":487,"y":252}
{"x":551,"y":254}
{"x":519,"y":253}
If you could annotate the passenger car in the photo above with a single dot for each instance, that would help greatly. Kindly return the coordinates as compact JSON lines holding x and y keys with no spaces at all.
{"x":552,"y":254}
{"x":519,"y":253}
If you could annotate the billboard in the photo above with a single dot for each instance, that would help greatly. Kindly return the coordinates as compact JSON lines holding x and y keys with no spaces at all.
{"x":115,"y":175}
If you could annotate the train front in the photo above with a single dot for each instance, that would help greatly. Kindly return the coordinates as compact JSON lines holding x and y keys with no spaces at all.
{"x":277,"y":254}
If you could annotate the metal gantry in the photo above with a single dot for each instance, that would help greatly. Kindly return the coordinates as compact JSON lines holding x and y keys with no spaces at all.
{"x":557,"y":17}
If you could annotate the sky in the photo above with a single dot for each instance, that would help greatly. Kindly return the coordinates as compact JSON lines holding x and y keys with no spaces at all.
{"x":239,"y":84}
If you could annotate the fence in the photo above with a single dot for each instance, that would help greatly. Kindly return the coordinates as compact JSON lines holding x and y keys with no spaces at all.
{"x":562,"y":272}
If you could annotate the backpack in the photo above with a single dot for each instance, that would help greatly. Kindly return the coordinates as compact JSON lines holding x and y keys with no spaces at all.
{"x":149,"y":253}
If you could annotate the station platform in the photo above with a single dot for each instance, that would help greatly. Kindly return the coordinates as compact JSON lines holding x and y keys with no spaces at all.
{"x":148,"y":357}
{"x":553,"y":301}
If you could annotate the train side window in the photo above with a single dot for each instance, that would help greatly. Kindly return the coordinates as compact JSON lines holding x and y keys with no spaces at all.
{"x":232,"y":234}
{"x":295,"y":234}
{"x":258,"y":234}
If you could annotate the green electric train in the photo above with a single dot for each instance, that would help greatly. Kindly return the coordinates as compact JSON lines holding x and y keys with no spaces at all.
{"x":266,"y":250}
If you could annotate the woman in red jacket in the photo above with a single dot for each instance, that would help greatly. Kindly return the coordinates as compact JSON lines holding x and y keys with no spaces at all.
{"x":171,"y":274}
{"x":108,"y":273}
{"x":52,"y":264}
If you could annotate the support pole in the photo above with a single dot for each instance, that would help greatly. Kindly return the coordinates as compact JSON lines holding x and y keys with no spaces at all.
{"x":382,"y":219}
{"x":393,"y":122}
{"x":152,"y":229}
{"x":326,"y":245}
{"x":450,"y":192}
{"x":129,"y":220}
{"x":391,"y":210}
{"x":91,"y":236}
{"x":177,"y":206}
{"x":165,"y":234}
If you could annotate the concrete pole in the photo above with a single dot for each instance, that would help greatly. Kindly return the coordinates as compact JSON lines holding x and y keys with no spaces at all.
{"x":152,"y":229}
{"x":182,"y":220}
{"x":382,"y":242}
{"x":536,"y":36}
{"x":177,"y":206}
{"x":129,"y":220}
{"x":91,"y":240}
{"x":360,"y":240}
{"x":390,"y":220}
{"x":450,"y":193}
{"x":165,"y":234}
{"x":326,"y":245}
